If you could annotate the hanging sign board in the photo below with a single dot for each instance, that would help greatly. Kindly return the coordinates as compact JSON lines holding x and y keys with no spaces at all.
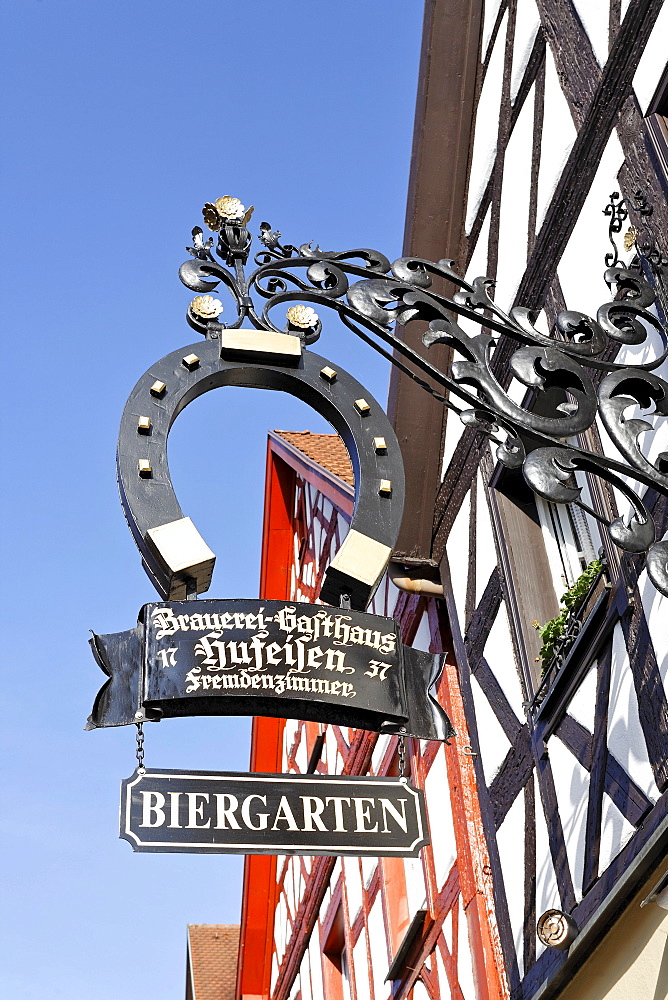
{"x":251,"y":657}
{"x":205,"y":812}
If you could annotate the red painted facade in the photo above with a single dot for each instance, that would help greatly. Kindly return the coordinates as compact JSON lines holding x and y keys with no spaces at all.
{"x":430,"y":920}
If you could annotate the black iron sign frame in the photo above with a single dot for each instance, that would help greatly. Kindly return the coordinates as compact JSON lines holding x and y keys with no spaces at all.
{"x":275,"y":658}
{"x":207,"y":812}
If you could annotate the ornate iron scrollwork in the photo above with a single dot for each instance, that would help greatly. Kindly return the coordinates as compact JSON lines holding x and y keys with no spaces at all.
{"x":387,"y":295}
{"x":640,"y":236}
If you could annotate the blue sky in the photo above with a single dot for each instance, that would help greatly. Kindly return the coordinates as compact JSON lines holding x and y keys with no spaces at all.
{"x":119,"y":120}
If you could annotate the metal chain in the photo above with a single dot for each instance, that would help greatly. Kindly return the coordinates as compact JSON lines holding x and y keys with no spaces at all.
{"x":402,"y":757}
{"x":140,"y":747}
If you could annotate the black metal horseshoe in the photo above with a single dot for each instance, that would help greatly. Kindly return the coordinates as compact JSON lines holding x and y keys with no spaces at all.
{"x":176,"y":558}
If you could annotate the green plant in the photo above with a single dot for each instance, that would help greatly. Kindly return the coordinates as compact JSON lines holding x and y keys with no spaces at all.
{"x":551,"y":632}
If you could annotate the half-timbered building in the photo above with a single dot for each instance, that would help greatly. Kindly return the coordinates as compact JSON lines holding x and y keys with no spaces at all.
{"x":541,"y":129}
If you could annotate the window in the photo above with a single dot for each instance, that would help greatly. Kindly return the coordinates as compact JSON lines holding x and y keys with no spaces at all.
{"x":568,"y":541}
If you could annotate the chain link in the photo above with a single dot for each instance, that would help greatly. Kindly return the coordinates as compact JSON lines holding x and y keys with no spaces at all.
{"x":140,"y":747}
{"x":402,"y":757}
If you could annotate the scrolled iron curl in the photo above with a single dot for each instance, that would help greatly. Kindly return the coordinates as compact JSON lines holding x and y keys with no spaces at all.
{"x":536,"y":367}
{"x":397,"y":293}
{"x":617,"y":392}
{"x":657,"y":566}
{"x":550,"y":472}
{"x":511,"y":452}
{"x":386,"y":302}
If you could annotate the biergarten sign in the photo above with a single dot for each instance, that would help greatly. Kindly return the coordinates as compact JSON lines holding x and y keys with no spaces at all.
{"x":331,"y":662}
{"x":269,"y":658}
{"x":206,"y":813}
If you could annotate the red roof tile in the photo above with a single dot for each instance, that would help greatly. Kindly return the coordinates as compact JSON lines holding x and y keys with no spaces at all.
{"x":213,"y":950}
{"x":327,"y":450}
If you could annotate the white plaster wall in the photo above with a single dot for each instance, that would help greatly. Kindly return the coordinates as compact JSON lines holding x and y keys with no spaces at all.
{"x":289,"y":887}
{"x":454,"y":429}
{"x":362,"y":971}
{"x":422,"y":638}
{"x":625,"y":736}
{"x":514,"y":209}
{"x":289,"y":732}
{"x":353,"y":884}
{"x":305,"y":977}
{"x":584,"y":288}
{"x":393,"y":595}
{"x":499,"y":654}
{"x":447,"y":925}
{"x":317,"y":985}
{"x":457,"y":548}
{"x":615,"y":832}
{"x":439,"y":811}
{"x":318,"y":534}
{"x":527,"y":23}
{"x":464,"y":959}
{"x":486,"y":127}
{"x":440,"y":971}
{"x":595,"y":16}
{"x":485,"y":553}
{"x":280,"y":927}
{"x":369,"y":866}
{"x":656,"y":612}
{"x":571,"y":782}
{"x":334,"y":760}
{"x":652,"y":62}
{"x":557,"y":138}
{"x":494,"y":744}
{"x":379,"y":752}
{"x":301,"y":757}
{"x":489,"y":19}
{"x":477,"y":268}
{"x":420,"y":993}
{"x":478,"y":262}
{"x":378,"y":949}
{"x":510,"y":840}
{"x":582,"y":706}
{"x":415,"y":885}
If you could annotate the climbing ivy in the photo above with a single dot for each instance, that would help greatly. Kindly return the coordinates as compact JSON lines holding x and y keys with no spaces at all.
{"x":552,"y":632}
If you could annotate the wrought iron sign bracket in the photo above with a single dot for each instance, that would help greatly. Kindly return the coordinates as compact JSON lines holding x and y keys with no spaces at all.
{"x":384,"y":297}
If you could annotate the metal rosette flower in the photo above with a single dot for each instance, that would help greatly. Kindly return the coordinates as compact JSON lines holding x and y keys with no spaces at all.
{"x":222,"y":210}
{"x":304,"y":322}
{"x":228,"y":217}
{"x":203,"y":313}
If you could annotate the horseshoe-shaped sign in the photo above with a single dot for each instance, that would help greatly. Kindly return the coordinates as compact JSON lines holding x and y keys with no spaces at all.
{"x":175,"y":556}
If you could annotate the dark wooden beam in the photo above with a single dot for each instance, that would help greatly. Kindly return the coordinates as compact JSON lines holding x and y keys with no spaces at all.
{"x":512,"y":776}
{"x":434,"y":229}
{"x":601,"y":100}
{"x":529,"y":874}
{"x":555,"y":833}
{"x":599,"y":757}
{"x":631,"y":801}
